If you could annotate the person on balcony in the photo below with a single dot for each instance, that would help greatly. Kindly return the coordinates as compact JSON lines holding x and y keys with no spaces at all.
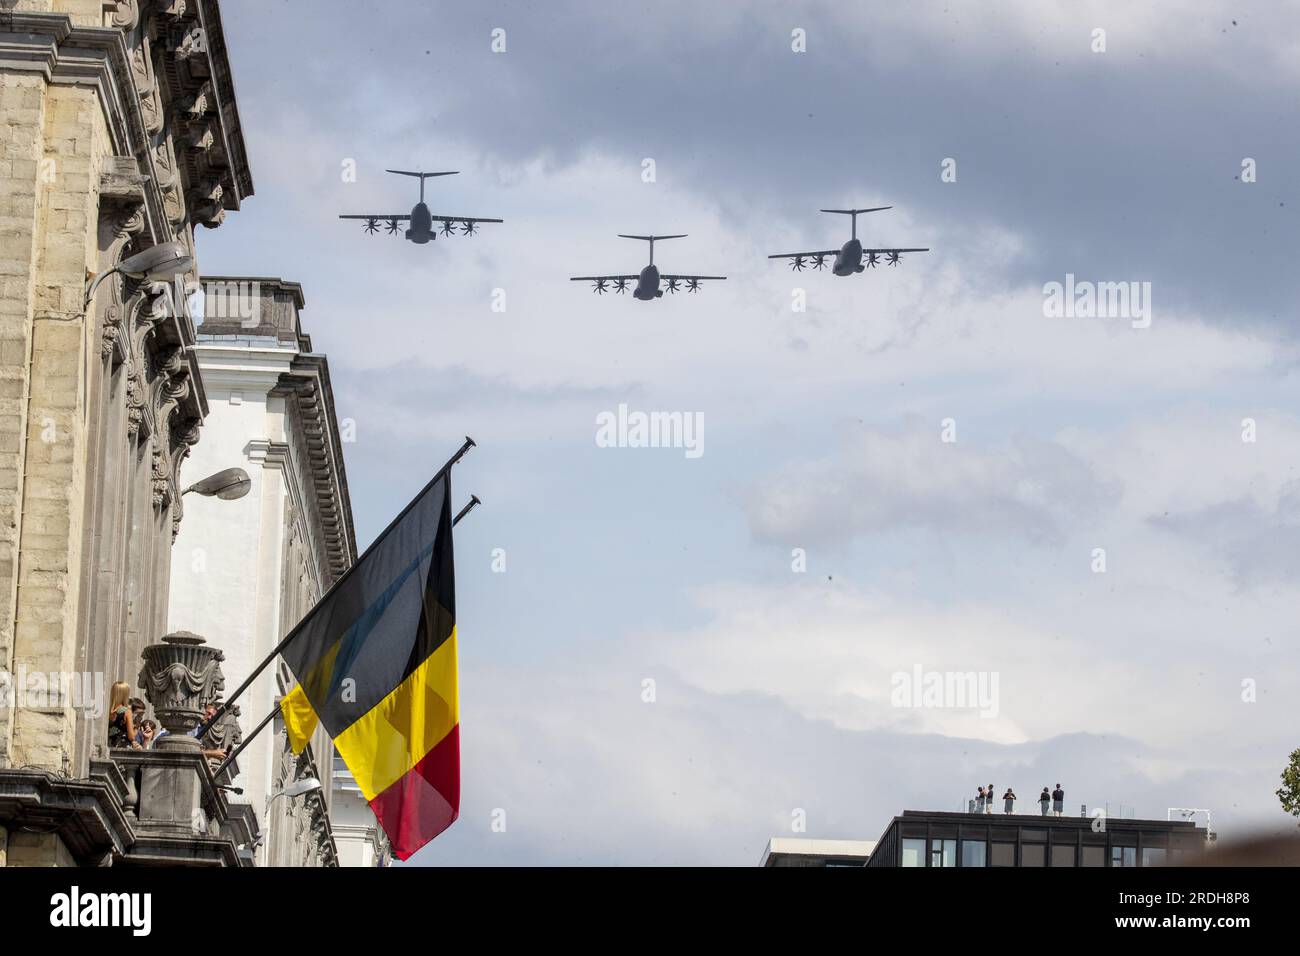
{"x":151,"y":733}
{"x":1009,"y":801}
{"x":1058,"y":801}
{"x":216,"y":754}
{"x":121,"y":725}
{"x":1045,"y":800}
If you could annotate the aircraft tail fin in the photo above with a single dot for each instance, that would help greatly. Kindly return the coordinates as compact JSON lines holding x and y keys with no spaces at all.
{"x":650,"y":238}
{"x":854,"y":212}
{"x":420,"y":176}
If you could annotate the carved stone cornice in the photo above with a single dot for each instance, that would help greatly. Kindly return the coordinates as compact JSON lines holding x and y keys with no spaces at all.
{"x":310,"y":400}
{"x":140,"y":75}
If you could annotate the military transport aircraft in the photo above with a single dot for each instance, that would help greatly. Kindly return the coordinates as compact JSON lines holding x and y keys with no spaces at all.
{"x":647,"y":283}
{"x":422,"y":221}
{"x":848,"y":257}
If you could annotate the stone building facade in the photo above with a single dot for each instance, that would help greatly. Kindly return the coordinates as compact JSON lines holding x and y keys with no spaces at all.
{"x":120,"y":132}
{"x":245,"y":572}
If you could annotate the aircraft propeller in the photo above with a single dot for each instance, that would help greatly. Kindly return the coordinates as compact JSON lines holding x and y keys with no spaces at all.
{"x":819,"y":262}
{"x":469,"y":228}
{"x":393,"y":226}
{"x":872,"y":259}
{"x":672,"y":285}
{"x":692,"y":285}
{"x":372,"y":226}
{"x":797,"y":263}
{"x":620,"y":285}
{"x":894,"y":257}
{"x":449,"y":227}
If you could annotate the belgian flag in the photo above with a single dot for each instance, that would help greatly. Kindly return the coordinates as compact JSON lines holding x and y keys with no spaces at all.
{"x":376,"y":667}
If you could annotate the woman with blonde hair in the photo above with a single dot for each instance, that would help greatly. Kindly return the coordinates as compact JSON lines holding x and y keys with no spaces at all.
{"x":121,"y":728}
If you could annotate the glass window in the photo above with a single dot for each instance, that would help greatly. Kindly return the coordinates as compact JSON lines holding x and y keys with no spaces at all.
{"x":1062,"y":856}
{"x":1153,"y":856}
{"x":1033,"y":854}
{"x":1003,"y":854}
{"x":943,"y":852}
{"x":1123,"y":856}
{"x":913,"y":853}
{"x":972,"y":853}
{"x":1093,"y":856}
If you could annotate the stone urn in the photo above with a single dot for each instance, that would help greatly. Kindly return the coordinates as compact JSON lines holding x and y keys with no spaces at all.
{"x":180,"y":676}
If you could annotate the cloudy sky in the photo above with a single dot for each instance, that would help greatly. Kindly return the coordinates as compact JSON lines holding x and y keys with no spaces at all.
{"x":823,"y":428}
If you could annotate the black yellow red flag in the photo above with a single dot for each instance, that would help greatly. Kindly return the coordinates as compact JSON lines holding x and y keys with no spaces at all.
{"x":376,"y":667}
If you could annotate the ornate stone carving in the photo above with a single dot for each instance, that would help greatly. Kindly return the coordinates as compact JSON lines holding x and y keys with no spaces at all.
{"x":125,"y":14}
{"x":108,"y":337}
{"x":198,"y":103}
{"x":185,"y":435}
{"x":134,"y":402}
{"x":180,"y":676}
{"x":122,"y":219}
{"x":161,"y":479}
{"x":146,"y":87}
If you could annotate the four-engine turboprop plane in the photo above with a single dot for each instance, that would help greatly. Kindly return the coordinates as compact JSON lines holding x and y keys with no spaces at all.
{"x":647,"y":282}
{"x":848,"y":257}
{"x":422,"y":221}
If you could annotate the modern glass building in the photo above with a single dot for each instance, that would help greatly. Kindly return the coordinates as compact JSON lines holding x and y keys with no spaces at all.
{"x":923,"y":838}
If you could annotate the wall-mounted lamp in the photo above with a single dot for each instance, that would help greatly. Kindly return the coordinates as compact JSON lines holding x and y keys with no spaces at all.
{"x":167,"y":260}
{"x":227,"y":485}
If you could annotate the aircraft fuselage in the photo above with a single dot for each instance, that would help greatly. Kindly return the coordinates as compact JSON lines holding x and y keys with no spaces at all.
{"x":647,"y":286}
{"x":421,"y":230}
{"x":849,"y":259}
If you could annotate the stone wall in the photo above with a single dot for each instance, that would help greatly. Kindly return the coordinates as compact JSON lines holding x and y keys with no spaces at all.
{"x":118,"y":132}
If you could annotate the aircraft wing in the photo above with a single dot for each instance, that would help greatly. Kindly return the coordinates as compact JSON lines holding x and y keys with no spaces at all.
{"x":692,"y":282}
{"x":389,"y":220}
{"x":889,"y":251}
{"x":437,"y":218}
{"x":599,"y":283}
{"x":805,"y":255}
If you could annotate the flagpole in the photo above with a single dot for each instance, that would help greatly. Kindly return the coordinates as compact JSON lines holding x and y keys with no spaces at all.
{"x":473,"y":501}
{"x":298,"y":628}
